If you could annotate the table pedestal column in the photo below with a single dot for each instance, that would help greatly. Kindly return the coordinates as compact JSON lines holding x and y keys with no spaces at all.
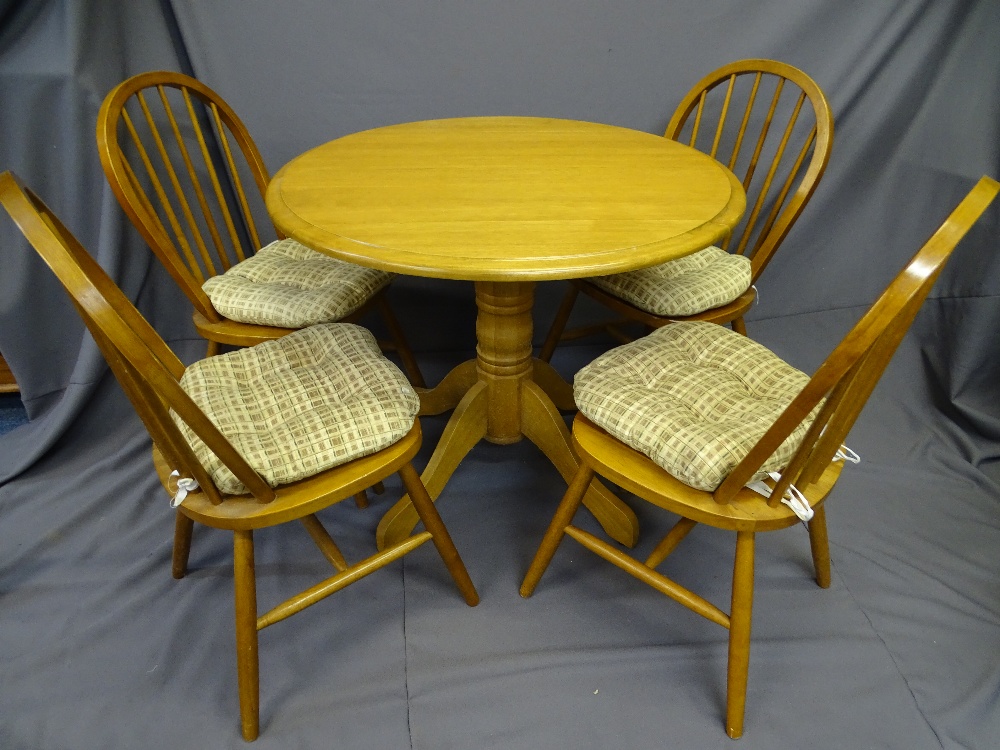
{"x":503,"y":353}
{"x":503,"y":396}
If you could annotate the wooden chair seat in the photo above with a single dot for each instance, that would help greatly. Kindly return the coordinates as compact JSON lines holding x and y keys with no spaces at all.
{"x":191,"y":179}
{"x":295,"y":500}
{"x":256,"y":437}
{"x":637,"y":473}
{"x":801,"y":440}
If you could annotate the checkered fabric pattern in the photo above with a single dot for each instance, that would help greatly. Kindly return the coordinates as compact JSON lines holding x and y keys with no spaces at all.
{"x":286,"y":284}
{"x":693,"y":396}
{"x":686,"y":286}
{"x":301,"y":404}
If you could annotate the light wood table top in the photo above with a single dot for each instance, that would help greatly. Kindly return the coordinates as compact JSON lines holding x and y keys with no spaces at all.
{"x":505,"y":202}
{"x":505,"y":199}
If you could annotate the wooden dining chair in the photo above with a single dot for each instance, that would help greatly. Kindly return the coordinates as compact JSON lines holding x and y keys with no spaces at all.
{"x":707,"y":424}
{"x":257,"y":437}
{"x":771,"y":125}
{"x":186,"y":171}
{"x":7,"y":382}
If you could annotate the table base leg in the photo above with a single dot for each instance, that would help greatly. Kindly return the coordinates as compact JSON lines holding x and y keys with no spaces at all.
{"x":503,"y":396}
{"x":466,"y":427}
{"x":550,"y":381}
{"x":544,"y":426}
{"x":447,"y":394}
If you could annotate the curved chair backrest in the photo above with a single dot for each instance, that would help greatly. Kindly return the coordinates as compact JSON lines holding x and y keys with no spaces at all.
{"x":771,"y":125}
{"x":187,"y":173}
{"x":850,"y":373}
{"x":148,"y":371}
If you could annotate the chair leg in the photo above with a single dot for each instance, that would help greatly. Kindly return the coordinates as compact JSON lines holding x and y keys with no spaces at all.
{"x":739,"y":633}
{"x":402,"y":347}
{"x":820,"y":545}
{"x":361,"y":499}
{"x":247,"y":665}
{"x":321,"y":537}
{"x":740,"y":326}
{"x":667,"y":545}
{"x":424,"y":506}
{"x":183,"y":527}
{"x":557,"y":529}
{"x":212,"y":349}
{"x":559,"y":324}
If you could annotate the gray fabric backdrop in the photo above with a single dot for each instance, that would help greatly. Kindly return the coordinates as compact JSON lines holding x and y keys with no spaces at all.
{"x":99,"y":648}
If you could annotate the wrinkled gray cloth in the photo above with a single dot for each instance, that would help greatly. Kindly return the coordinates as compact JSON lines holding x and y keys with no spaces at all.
{"x":99,"y":648}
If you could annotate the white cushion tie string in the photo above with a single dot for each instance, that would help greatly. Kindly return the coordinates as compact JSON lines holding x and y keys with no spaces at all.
{"x":793,"y":498}
{"x":797,"y":502}
{"x":846,"y":454}
{"x":182,"y":486}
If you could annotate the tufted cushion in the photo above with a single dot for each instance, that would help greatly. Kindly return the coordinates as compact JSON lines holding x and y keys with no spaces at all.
{"x":693,"y":396}
{"x":686,"y":286}
{"x":287,"y":284}
{"x":301,"y":404}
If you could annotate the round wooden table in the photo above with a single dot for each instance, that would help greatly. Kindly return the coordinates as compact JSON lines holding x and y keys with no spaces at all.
{"x":505,"y":202}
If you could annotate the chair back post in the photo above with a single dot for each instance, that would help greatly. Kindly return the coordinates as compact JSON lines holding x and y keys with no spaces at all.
{"x":144,"y":365}
{"x":758,"y":131}
{"x":849,"y":375}
{"x":182,"y":185}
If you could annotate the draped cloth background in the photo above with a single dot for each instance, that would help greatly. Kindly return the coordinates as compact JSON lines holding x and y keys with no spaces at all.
{"x":99,"y":648}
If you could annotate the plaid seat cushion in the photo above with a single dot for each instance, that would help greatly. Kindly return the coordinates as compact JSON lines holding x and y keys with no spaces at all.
{"x":286,"y":284}
{"x":693,"y":396}
{"x":686,"y":286}
{"x":301,"y":404}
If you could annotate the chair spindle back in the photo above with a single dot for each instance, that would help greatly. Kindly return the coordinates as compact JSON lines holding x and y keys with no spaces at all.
{"x":187,"y":173}
{"x":771,"y":125}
